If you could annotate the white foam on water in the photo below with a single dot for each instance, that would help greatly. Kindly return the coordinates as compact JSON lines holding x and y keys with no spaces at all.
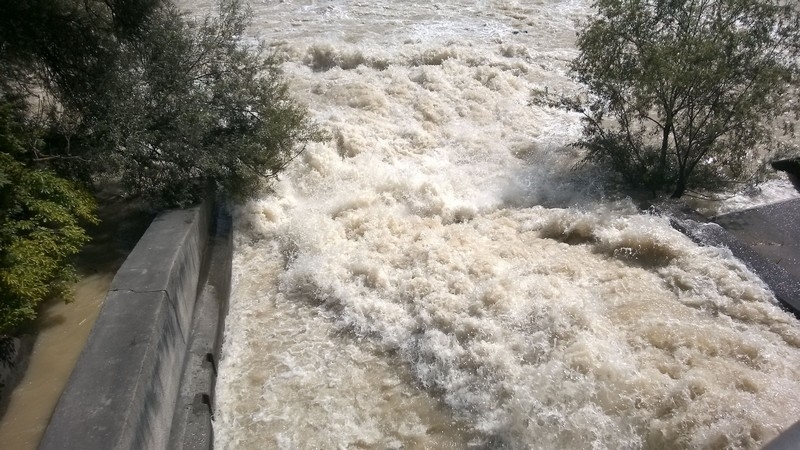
{"x":436,"y":276}
{"x":777,"y":189}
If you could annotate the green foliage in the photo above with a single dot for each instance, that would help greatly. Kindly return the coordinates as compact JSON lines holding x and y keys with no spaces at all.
{"x":40,"y":218}
{"x":195,"y":107}
{"x":682,"y":92}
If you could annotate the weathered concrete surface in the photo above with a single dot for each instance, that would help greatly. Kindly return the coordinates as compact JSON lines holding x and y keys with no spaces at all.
{"x":123,"y":391}
{"x":772,"y":231}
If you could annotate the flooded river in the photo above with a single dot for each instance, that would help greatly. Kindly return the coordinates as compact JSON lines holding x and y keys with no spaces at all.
{"x":436,"y":276}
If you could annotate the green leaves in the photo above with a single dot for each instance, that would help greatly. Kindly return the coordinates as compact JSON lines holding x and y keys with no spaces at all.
{"x":690,"y":86}
{"x":166,"y":105}
{"x":40,"y":218}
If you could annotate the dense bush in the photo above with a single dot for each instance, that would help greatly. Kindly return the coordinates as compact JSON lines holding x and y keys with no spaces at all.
{"x":168,"y":105}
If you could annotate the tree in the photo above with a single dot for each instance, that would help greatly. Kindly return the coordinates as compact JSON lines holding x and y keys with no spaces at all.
{"x":682,"y":93}
{"x":188,"y":106}
{"x":139,"y":93}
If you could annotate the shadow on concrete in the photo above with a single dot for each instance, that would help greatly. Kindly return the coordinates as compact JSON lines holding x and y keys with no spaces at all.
{"x":795,"y":179}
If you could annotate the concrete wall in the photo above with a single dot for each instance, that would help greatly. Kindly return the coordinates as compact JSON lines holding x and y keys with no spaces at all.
{"x":123,"y":391}
{"x":191,"y":423}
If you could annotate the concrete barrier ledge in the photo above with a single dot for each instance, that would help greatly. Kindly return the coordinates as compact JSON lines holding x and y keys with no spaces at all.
{"x":122,"y":393}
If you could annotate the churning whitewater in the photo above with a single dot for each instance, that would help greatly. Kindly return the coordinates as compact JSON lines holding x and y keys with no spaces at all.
{"x":435,"y":275}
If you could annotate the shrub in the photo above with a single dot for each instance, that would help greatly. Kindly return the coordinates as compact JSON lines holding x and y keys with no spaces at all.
{"x":40,"y":229}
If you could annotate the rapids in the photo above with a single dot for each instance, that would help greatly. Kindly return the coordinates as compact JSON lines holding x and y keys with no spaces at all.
{"x":436,"y":276}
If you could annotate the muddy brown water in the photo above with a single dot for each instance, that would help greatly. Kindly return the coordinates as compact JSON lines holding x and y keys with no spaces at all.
{"x":62,"y":328}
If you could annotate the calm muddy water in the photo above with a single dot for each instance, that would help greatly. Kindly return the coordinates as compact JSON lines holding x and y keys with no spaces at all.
{"x":62,"y":332}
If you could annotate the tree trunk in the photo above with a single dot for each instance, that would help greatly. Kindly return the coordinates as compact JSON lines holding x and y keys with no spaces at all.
{"x":680,"y":187}
{"x":662,"y":163}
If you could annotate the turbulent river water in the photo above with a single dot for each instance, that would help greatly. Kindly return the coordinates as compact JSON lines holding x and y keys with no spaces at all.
{"x":435,"y":275}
